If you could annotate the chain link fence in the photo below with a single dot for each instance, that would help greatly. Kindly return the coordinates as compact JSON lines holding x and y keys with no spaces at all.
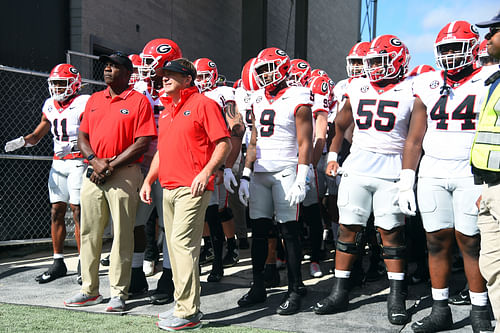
{"x":24,"y":198}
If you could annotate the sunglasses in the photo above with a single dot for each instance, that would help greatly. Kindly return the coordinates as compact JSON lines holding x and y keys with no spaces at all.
{"x":493,"y":30}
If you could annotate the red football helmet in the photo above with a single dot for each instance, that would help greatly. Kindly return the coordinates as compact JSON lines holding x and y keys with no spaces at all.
{"x":64,"y":81}
{"x":206,"y":71}
{"x":272,"y":66}
{"x":421,"y":69}
{"x":354,"y":60}
{"x":387,"y":58}
{"x":156,"y":53}
{"x":248,"y":78}
{"x":237,"y":84}
{"x":456,"y":45}
{"x":318,"y":72}
{"x":300,"y":72}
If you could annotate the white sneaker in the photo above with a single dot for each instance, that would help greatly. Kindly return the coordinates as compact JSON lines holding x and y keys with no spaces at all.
{"x":148,"y":267}
{"x":315,"y":270}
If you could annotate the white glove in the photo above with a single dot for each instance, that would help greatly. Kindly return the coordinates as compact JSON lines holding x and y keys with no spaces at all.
{"x":16,"y":144}
{"x":298,"y":191}
{"x":63,"y":149}
{"x":229,"y":179}
{"x":406,"y":198}
{"x":244,"y":191}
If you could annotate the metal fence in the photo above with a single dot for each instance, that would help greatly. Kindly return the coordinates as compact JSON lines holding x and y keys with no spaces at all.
{"x":24,"y":199}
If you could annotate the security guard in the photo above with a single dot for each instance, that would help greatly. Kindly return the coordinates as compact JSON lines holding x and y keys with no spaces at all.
{"x":485,"y":160}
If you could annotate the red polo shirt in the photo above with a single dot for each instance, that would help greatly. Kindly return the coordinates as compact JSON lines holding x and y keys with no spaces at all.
{"x":113,"y":124}
{"x":187,"y":135}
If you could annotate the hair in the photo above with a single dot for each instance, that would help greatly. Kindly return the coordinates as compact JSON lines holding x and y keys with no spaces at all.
{"x":188,"y":64}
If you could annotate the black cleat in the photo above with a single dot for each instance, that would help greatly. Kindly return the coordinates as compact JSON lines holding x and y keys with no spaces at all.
{"x":396,"y":303}
{"x":56,"y":270}
{"x":462,"y":298}
{"x":164,"y":292}
{"x":206,"y":255}
{"x":256,"y":295}
{"x":215,"y":275}
{"x":231,"y":258}
{"x":337,"y":301}
{"x":105,"y":261}
{"x":290,"y":304}
{"x":439,"y":320}
{"x":480,"y":319}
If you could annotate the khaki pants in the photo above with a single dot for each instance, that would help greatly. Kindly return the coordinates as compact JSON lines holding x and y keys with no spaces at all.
{"x":118,"y":195}
{"x":183,"y":219}
{"x":489,"y":260}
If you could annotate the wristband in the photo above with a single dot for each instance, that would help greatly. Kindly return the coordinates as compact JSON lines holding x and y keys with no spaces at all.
{"x":90,"y":157}
{"x":331,"y":157}
{"x":302,"y":171}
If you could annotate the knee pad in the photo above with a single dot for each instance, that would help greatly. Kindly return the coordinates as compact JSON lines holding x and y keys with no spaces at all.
{"x":355,"y":247}
{"x":226,"y":214}
{"x":393,"y":252}
{"x":290,"y":229}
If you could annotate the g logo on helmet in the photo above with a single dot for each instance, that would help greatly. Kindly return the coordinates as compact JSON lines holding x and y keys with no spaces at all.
{"x":73,"y":70}
{"x":474,"y":29}
{"x":302,"y":65}
{"x":280,"y":53}
{"x":324,"y":87}
{"x":395,"y":42}
{"x":163,"y":48}
{"x":211,"y":64}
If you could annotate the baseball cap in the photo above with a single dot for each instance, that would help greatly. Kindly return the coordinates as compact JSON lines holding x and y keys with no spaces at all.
{"x":176,"y":66}
{"x":118,"y":58}
{"x":494,"y":21}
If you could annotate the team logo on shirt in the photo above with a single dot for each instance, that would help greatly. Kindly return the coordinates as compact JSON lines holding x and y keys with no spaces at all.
{"x":163,"y":48}
{"x":434,"y":84}
{"x":258,"y":99}
{"x":187,"y":113}
{"x":364,"y":89}
{"x":124,"y":111}
{"x":246,"y":99}
{"x":50,"y":108}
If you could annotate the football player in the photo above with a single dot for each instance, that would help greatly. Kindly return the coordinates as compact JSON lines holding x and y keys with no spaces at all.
{"x":279,"y":153}
{"x":379,"y":106}
{"x":61,"y":114}
{"x":218,"y":210}
{"x":443,"y":123}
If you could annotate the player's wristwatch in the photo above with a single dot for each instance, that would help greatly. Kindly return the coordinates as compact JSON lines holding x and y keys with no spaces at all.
{"x":90,"y":157}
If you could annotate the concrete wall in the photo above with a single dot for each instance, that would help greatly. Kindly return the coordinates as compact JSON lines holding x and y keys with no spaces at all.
{"x":213,"y":29}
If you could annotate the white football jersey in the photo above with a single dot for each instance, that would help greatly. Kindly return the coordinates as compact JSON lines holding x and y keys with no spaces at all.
{"x":221,"y":95}
{"x":339,"y":92}
{"x":243,"y":99}
{"x":65,"y":121}
{"x":277,"y":146}
{"x":451,"y":121}
{"x":381,"y":117}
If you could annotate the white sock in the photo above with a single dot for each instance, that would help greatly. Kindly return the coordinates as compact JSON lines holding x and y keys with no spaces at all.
{"x":342,"y":274}
{"x":440,"y":294}
{"x":478,"y":299}
{"x":58,"y":256}
{"x":137,"y":259}
{"x":396,"y":276}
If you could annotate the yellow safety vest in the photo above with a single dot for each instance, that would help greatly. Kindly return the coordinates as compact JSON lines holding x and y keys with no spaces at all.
{"x":485,"y":153}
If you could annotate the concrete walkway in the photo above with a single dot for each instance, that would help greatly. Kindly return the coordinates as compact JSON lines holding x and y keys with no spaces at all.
{"x":367,"y":311}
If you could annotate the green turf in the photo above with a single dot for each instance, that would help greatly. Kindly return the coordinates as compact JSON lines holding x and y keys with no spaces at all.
{"x":24,"y":318}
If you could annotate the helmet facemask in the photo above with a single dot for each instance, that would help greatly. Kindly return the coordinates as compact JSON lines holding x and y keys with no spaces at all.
{"x":381,"y":66}
{"x":354,"y":66}
{"x":455,"y":54}
{"x":204,"y":80}
{"x":148,"y":65}
{"x":61,"y":88}
{"x":268,"y":74}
